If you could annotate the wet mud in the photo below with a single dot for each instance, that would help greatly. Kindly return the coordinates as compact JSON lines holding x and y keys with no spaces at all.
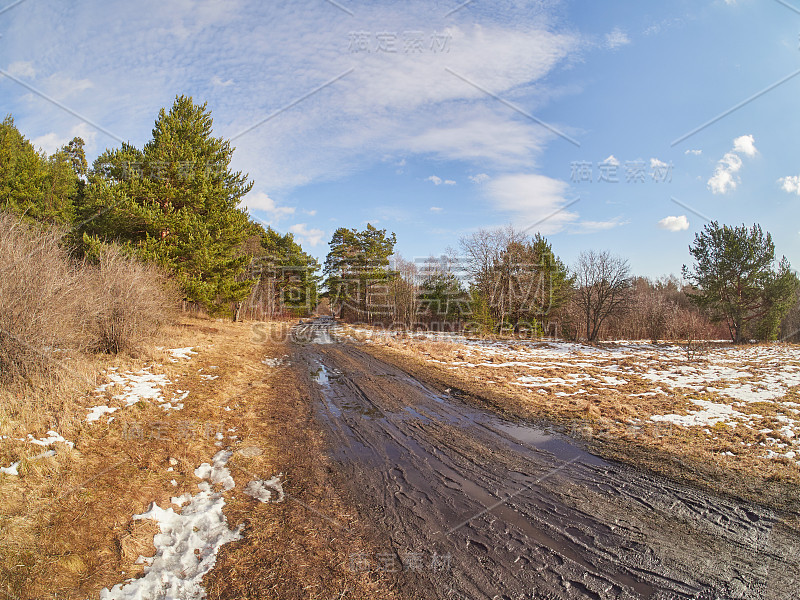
{"x":471,"y":506}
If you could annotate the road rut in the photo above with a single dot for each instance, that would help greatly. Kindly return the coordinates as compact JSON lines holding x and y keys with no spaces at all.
{"x":493,"y":509}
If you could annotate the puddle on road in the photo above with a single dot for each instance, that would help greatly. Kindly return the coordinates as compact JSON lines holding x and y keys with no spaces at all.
{"x":556,"y":445}
{"x":448,"y":409}
{"x":339,"y":404}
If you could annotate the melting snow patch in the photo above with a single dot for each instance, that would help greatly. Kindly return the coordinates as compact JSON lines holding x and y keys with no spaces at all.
{"x":711,"y":414}
{"x":98,"y":411}
{"x":217,"y":472}
{"x":186,"y":548}
{"x":52,"y":438}
{"x":10,"y":470}
{"x":276,"y":362}
{"x":263,"y":490}
{"x":181,"y":353}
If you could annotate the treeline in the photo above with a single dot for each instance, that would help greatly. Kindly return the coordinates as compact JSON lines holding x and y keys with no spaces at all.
{"x":506,"y":282}
{"x":174,"y":203}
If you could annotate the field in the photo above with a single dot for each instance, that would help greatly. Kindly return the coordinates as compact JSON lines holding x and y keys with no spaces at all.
{"x":715,"y":407}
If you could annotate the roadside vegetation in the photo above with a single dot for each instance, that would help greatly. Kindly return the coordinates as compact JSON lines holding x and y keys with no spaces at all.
{"x":112,"y":399}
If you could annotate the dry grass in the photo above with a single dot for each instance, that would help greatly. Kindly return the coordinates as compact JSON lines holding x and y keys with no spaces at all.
{"x":133,"y":301}
{"x":42,"y":297}
{"x":51,"y":304}
{"x":66,"y":528}
{"x":613,"y":421}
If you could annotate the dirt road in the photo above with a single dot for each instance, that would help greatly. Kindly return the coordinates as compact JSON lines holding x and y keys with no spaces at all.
{"x":471,"y":506}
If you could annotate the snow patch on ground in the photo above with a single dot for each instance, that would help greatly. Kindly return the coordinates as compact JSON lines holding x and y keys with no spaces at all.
{"x":711,"y":414}
{"x":187,"y":546}
{"x":98,"y":411}
{"x":10,"y":470}
{"x":178,"y":353}
{"x":263,"y":490}
{"x":52,"y":438}
{"x":143,"y":385}
{"x":277,"y":361}
{"x":216,"y":471}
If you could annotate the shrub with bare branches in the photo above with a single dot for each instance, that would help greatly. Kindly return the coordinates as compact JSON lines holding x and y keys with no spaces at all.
{"x":42,"y":298}
{"x":50,"y":303}
{"x":133,"y":300}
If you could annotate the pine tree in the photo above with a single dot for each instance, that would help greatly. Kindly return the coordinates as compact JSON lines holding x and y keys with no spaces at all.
{"x":39,"y":187}
{"x":735,"y":281}
{"x":286,"y":276}
{"x":357,"y":263}
{"x":175,"y":202}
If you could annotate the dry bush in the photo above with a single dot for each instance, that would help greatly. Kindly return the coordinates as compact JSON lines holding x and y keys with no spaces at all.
{"x":133,"y":301}
{"x":42,"y":298}
{"x":50,"y":303}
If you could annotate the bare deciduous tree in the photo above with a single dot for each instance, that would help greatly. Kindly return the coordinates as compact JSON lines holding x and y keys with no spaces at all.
{"x":603,"y":285}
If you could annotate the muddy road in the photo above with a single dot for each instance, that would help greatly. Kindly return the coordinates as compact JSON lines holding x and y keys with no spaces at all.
{"x":468,"y":505}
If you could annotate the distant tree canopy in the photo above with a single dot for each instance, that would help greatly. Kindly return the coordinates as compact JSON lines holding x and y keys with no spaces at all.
{"x":175,"y":203}
{"x":357,"y":270}
{"x":35,"y":186}
{"x":736,"y":281}
{"x":518,"y":281}
{"x":602,"y":289}
{"x":285,"y":276}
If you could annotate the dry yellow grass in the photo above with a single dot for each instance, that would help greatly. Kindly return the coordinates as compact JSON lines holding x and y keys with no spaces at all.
{"x":66,"y":527}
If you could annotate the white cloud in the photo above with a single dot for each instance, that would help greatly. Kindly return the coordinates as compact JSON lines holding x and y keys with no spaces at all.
{"x":594,"y":226}
{"x":311,"y":237}
{"x":746,"y":145}
{"x":616,"y":38}
{"x":52,"y":141}
{"x":725,"y":178}
{"x":310,"y":213}
{"x":22,"y":68}
{"x":533,"y":200}
{"x":479,"y":178}
{"x":694,"y":152}
{"x":436,"y":209}
{"x":434,"y":179}
{"x":262,"y":202}
{"x":790,"y":184}
{"x":274,"y":55}
{"x":63,"y":86}
{"x":217,"y":81}
{"x":680,"y":223}
{"x":449,"y":182}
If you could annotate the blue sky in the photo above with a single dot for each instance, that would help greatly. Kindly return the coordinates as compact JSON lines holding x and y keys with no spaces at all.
{"x":434,"y":119}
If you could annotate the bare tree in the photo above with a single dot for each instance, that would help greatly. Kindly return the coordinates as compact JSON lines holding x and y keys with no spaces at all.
{"x":603,"y":285}
{"x":403,"y":291}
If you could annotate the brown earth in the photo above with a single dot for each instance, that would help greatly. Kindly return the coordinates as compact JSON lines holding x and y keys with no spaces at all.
{"x":467,"y":504}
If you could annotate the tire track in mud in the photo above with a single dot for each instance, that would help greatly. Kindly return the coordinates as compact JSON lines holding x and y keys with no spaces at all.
{"x":520,"y":512}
